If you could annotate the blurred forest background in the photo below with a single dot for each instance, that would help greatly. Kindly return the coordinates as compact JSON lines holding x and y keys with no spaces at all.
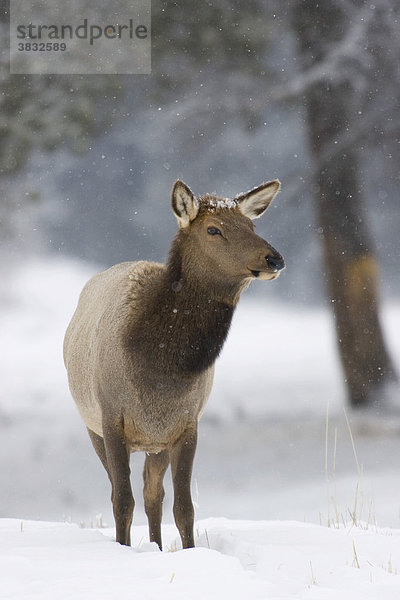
{"x":240,"y":92}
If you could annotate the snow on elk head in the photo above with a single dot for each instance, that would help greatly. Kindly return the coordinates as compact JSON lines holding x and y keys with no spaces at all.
{"x":217,"y":237}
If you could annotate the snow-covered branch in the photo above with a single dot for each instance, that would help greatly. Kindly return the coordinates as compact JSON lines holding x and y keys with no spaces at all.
{"x":333,"y":65}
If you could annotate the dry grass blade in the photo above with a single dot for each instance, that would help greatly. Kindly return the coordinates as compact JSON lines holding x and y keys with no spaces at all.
{"x":355,"y":560}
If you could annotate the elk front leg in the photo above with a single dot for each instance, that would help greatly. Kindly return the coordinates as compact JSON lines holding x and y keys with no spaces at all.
{"x":181,"y":456}
{"x":118,"y":456}
{"x":153,"y":473}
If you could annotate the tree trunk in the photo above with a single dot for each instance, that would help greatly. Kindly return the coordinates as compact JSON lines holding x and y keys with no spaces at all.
{"x":351,"y":267}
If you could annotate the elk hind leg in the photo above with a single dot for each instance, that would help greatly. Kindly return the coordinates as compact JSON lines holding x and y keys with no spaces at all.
{"x":98,"y":445}
{"x":153,"y":491}
{"x":117,"y":458}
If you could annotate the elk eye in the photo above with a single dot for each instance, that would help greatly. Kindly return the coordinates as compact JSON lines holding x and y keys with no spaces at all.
{"x":213,"y":231}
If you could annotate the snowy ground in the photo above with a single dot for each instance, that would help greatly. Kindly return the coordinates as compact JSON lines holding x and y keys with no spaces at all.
{"x":263,"y":455}
{"x":233,"y":559}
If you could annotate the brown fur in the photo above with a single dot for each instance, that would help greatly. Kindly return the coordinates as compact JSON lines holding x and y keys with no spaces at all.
{"x":141,"y":346}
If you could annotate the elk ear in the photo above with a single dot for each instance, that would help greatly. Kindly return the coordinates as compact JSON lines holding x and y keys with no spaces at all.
{"x":255,"y":202}
{"x":184,"y":204}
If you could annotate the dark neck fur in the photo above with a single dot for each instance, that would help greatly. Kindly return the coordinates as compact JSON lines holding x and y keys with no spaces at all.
{"x":182,"y":327}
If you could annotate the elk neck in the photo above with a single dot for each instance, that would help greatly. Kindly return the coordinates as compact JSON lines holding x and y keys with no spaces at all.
{"x":184,"y":322}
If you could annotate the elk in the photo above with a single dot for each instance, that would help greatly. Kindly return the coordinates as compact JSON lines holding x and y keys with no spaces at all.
{"x":141,"y":346}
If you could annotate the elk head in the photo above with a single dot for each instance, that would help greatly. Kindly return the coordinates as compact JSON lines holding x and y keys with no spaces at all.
{"x":217,"y":237}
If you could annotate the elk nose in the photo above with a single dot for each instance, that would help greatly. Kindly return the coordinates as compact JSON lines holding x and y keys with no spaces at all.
{"x":275,"y":263}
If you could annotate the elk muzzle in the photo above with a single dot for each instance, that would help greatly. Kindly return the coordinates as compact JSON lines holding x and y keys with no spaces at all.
{"x":273,"y":265}
{"x":276,"y":263}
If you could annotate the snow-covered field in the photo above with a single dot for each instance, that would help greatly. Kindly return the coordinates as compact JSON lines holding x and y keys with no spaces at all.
{"x":267,"y":453}
{"x":232,"y":559}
